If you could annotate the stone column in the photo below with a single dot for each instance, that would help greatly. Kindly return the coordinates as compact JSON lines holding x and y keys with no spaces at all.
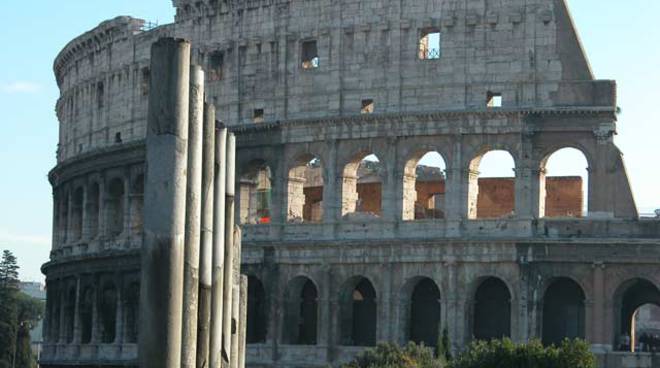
{"x":230,"y":249}
{"x":119,"y":310}
{"x":331,"y":186}
{"x":193,"y":218}
{"x":69,"y":217}
{"x":55,"y":236}
{"x":295,"y":201}
{"x":126,"y":201}
{"x":218,"y":269}
{"x":76,"y":317}
{"x":389,"y":184}
{"x":161,"y":295}
{"x":84,"y":212}
{"x":206,"y":237}
{"x":242,"y":321}
{"x":408,"y":195}
{"x":599,"y":321}
{"x":94,"y":337}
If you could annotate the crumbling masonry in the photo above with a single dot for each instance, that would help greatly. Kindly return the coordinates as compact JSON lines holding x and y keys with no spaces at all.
{"x":342,"y":252}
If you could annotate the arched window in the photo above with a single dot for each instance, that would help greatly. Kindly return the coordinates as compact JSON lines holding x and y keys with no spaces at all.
{"x":115,"y":208}
{"x":77,"y":214}
{"x":255,"y":194}
{"x":362,"y":186}
{"x":256,"y":312}
{"x":492,"y":310}
{"x":563,"y":311}
{"x":137,"y":205}
{"x":430,"y":44}
{"x":425,"y":313}
{"x":86,"y":310}
{"x":131,"y":309}
{"x":564,"y":184}
{"x":491,"y":192}
{"x":305,"y":189}
{"x":93,"y":208}
{"x":301,"y":315}
{"x":638,"y":301}
{"x":424,"y":187}
{"x":108,"y":313}
{"x":359,"y":316}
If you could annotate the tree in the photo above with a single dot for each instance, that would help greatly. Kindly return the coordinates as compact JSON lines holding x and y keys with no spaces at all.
{"x":29,"y":312}
{"x":389,"y":355}
{"x":504,"y":354}
{"x":8,"y":308}
{"x":8,"y":271}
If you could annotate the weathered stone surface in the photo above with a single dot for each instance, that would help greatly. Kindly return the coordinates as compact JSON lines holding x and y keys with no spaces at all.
{"x":527,"y":51}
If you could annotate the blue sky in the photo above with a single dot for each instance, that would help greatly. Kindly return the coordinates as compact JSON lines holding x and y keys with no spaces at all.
{"x":621,"y":40}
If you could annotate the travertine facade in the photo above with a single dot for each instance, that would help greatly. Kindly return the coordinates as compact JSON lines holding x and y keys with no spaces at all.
{"x":327,"y":83}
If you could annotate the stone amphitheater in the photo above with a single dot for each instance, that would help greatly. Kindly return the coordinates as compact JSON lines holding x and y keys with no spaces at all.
{"x":349,"y":237}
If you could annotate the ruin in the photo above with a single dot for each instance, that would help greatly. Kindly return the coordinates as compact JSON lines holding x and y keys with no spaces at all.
{"x":363,"y":129}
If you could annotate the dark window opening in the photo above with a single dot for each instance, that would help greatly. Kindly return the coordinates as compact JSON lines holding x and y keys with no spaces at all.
{"x":310,"y":55}
{"x":118,"y":137}
{"x":430,"y":44}
{"x":425,"y":313}
{"x":367,"y":106}
{"x":492,"y":310}
{"x":146,"y":79}
{"x":493,"y":99}
{"x":563,"y":312}
{"x":256,"y":312}
{"x":216,"y":64}
{"x":100,"y":95}
{"x":258,"y":116}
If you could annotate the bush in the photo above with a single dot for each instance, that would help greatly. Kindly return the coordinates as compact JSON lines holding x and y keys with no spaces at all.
{"x":505,"y":354}
{"x":392,"y":356}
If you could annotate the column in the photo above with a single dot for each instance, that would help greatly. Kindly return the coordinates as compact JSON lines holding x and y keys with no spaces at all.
{"x":126,"y":232}
{"x":599,"y":322}
{"x":119,"y":310}
{"x":331,"y":185}
{"x":161,"y":296}
{"x":76,"y":317}
{"x":84,"y":212}
{"x":389,"y":197}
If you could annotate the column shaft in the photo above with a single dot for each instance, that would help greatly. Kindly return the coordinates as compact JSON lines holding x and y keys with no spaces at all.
{"x":161,"y":296}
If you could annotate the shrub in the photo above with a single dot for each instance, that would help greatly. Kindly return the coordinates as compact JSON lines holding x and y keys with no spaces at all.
{"x":389,"y":355}
{"x":506,"y":354}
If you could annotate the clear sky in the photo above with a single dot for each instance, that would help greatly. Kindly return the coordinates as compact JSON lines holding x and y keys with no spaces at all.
{"x":620,"y":37}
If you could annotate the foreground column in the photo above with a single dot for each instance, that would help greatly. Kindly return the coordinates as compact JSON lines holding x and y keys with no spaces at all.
{"x":193,"y":218}
{"x":206,"y":248}
{"x":161,"y":295}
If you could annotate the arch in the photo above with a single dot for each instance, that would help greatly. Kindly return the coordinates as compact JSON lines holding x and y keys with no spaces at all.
{"x":564,"y":183}
{"x":631,"y":298}
{"x":358,"y":313}
{"x":115,"y":208}
{"x":86,"y":311}
{"x":255,"y":193}
{"x":108,"y":313}
{"x":137,"y":205}
{"x":77,"y":213}
{"x":131,"y":309}
{"x":301,"y":312}
{"x":362,"y":186}
{"x":256,"y":311}
{"x":492,"y":310}
{"x":491,"y":189}
{"x":563,"y":311}
{"x":424,"y":319}
{"x":424,"y":181}
{"x":93,"y":208}
{"x":305,"y":190}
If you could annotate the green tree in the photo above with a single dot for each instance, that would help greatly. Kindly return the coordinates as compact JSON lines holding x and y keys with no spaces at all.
{"x":8,"y":308}
{"x":389,"y":355}
{"x":29,"y":312}
{"x":506,"y":354}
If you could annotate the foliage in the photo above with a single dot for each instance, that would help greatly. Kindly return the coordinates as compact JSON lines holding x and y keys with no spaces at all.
{"x":19,"y":313}
{"x":443,"y":350}
{"x":389,"y":355}
{"x":506,"y":354}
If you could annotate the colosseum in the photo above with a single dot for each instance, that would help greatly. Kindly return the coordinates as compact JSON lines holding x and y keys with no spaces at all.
{"x":361,"y":128}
